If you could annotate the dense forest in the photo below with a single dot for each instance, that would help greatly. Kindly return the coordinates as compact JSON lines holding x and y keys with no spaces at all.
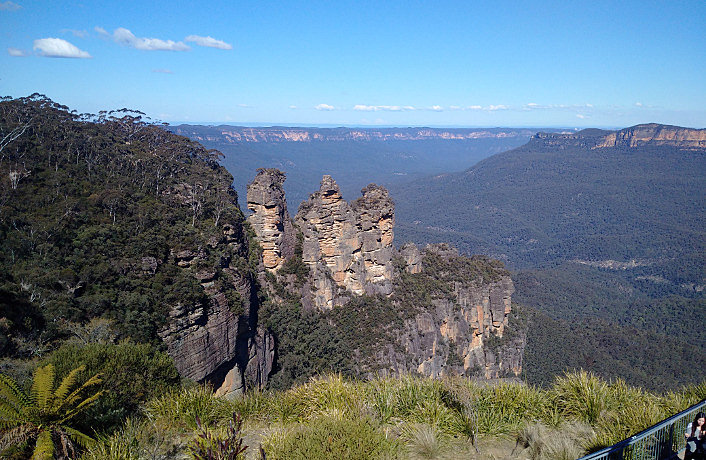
{"x":603,"y":243}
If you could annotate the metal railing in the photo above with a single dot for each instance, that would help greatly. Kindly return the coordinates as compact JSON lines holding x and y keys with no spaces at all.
{"x":661,"y":441}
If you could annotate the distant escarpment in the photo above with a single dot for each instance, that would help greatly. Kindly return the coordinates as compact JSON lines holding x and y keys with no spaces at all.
{"x":651,"y":134}
{"x":431,"y":312}
{"x":276,"y":134}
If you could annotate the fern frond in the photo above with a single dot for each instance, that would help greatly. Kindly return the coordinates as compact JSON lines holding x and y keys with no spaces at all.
{"x":43,"y":386}
{"x":9,"y":412}
{"x":79,"y":438}
{"x":44,"y":450}
{"x":66,"y":384}
{"x":17,"y":435}
{"x":83,"y":405}
{"x":76,"y":394}
{"x":12,"y":393}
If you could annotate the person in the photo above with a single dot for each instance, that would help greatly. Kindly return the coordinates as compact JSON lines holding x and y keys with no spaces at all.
{"x":695,"y":435}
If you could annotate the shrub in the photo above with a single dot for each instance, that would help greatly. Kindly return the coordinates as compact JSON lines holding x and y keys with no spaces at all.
{"x":330,"y":437}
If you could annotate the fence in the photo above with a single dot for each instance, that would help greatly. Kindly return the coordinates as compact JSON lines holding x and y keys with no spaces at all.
{"x":661,"y":441}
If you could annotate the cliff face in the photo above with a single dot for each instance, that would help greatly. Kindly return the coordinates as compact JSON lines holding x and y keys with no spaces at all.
{"x":458,"y":315}
{"x":239,"y":134}
{"x":655,"y":134}
{"x":218,"y":341}
{"x":464,"y":331}
{"x":348,"y":247}
{"x":636,"y":136}
{"x":270,"y":219}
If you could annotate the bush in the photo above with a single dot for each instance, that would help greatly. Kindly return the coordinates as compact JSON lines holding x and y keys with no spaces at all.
{"x":132,"y":374}
{"x":331,"y":437}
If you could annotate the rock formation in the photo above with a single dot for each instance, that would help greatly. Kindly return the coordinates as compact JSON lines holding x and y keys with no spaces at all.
{"x":460,"y":323}
{"x":463,"y":332}
{"x":652,"y":134}
{"x":270,"y":218}
{"x":216,"y":341}
{"x":655,"y":134}
{"x":348,"y":247}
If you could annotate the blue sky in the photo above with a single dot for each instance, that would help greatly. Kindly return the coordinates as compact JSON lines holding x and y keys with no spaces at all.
{"x":434,"y":63}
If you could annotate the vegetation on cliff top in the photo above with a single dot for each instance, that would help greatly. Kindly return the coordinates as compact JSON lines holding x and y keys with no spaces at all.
{"x":94,"y":210}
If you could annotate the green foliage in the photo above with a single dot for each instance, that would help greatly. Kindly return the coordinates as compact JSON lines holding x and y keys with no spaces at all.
{"x":182,"y":407}
{"x":210,"y":446}
{"x":331,"y":437}
{"x":133,"y":374}
{"x":44,"y":416}
{"x":643,"y":358}
{"x":95,"y":222}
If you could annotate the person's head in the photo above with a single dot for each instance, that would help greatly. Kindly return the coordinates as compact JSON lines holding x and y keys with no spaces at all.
{"x":699,"y":422}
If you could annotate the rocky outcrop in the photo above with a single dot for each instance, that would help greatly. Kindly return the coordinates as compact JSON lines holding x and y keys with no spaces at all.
{"x":463,"y":332}
{"x":218,"y":340}
{"x":655,"y":134}
{"x":451,"y":313}
{"x":348,"y":247}
{"x":652,"y":134}
{"x":270,"y":219}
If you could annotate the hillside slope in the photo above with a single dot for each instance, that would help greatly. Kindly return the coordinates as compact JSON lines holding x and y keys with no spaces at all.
{"x":596,"y":224}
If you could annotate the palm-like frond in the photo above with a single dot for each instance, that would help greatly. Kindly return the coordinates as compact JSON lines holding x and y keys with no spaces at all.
{"x":44,"y":450}
{"x":12,"y":393}
{"x":17,"y":435}
{"x":83,"y":405}
{"x":65,"y":386}
{"x":79,"y":438}
{"x":75,"y":395}
{"x":42,"y":387}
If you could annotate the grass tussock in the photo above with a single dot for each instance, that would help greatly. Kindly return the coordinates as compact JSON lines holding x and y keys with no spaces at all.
{"x":403,"y":417}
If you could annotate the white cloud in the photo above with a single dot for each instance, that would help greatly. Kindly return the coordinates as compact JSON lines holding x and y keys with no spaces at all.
{"x":16,"y":52}
{"x":324,"y":107}
{"x":578,"y":115}
{"x":101,"y":31}
{"x":638,"y":104}
{"x":125,"y":37}
{"x":454,"y":107}
{"x":493,"y":108}
{"x":474,"y":107}
{"x":245,"y":106}
{"x":9,"y":6}
{"x":162,"y":71}
{"x":75,"y":33}
{"x":378,"y":108}
{"x":436,"y":108}
{"x":58,"y":48}
{"x":209,"y":42}
{"x":293,"y":107}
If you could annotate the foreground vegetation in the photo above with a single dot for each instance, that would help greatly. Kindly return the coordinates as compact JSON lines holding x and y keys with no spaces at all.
{"x":401,"y":417}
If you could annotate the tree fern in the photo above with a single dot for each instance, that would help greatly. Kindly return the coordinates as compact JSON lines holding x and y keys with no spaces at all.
{"x":44,"y":414}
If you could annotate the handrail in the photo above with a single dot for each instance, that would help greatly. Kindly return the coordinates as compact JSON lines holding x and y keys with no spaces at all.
{"x":658,"y":442}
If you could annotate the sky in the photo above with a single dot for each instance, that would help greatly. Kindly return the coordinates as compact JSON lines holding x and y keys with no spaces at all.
{"x":414,"y":63}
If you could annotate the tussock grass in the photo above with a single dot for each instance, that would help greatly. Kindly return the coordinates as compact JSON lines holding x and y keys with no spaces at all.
{"x":405,"y":417}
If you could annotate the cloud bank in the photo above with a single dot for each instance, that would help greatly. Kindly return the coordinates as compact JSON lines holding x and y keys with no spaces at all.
{"x":15,"y":52}
{"x":58,"y":48}
{"x":9,"y":6}
{"x":325,"y":107}
{"x":209,"y":42}
{"x":124,"y":37}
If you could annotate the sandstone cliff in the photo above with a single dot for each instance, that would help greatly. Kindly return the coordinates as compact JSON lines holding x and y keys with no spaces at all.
{"x":219,"y":341}
{"x":348,"y":247}
{"x":651,"y":134}
{"x":437,"y":312}
{"x":462,"y":330}
{"x":270,"y":218}
{"x":655,"y":134}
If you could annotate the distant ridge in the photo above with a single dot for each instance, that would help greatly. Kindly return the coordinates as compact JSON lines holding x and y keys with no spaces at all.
{"x":241,"y":134}
{"x":635,"y":136}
